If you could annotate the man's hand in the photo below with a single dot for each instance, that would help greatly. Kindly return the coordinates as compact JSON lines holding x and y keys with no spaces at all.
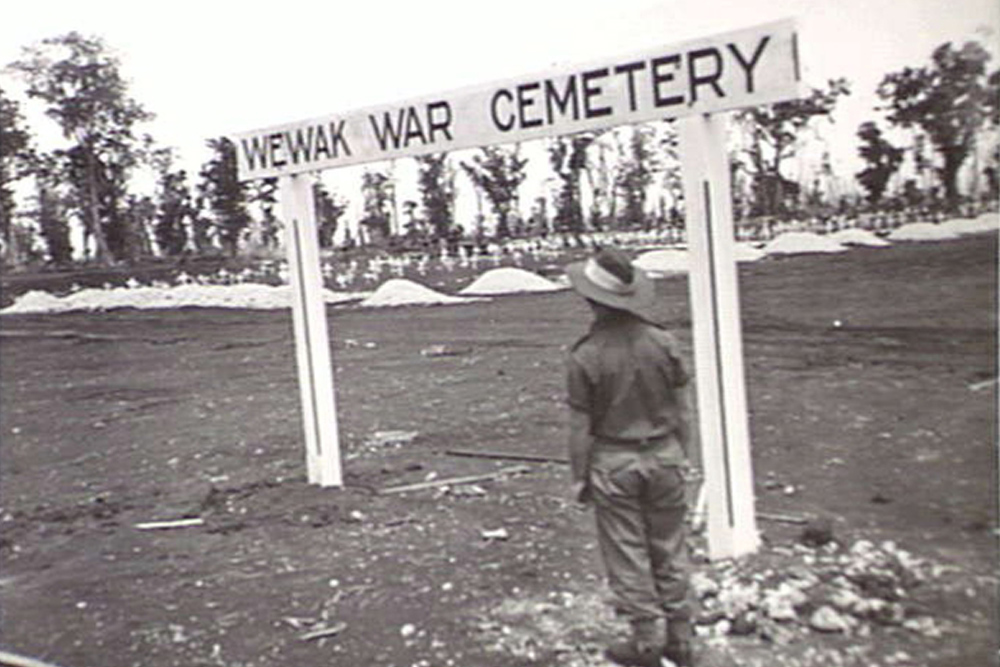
{"x":581,"y":492}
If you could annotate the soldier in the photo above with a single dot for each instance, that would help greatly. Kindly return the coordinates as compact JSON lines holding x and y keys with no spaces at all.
{"x":629,"y":434}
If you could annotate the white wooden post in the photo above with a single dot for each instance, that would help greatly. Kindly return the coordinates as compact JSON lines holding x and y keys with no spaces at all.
{"x":718,"y":347}
{"x":312,"y":345}
{"x":748,"y":67}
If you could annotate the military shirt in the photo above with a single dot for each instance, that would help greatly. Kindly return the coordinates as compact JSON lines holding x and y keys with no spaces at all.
{"x":625,"y":374}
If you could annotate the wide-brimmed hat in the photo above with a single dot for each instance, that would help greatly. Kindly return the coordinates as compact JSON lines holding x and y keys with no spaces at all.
{"x":610,"y":278}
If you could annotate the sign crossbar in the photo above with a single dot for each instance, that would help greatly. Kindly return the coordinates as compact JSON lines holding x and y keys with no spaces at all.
{"x":694,"y":82}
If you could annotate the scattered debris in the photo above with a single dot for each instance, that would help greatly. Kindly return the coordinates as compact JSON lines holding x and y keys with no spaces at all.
{"x":325,"y":631}
{"x":13,"y":660}
{"x":298,"y":622}
{"x":826,"y":619}
{"x":499,"y":534}
{"x":782,"y":518}
{"x":176,"y":523}
{"x":444,"y":351}
{"x":472,"y":490}
{"x":503,"y":472}
{"x":391,"y":438}
{"x":979,"y":386}
{"x":817,"y":532}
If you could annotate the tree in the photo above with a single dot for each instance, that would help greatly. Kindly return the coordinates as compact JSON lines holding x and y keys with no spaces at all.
{"x":882,"y":160}
{"x":949,"y":100}
{"x":672,"y":179}
{"x":600,"y":179}
{"x":774,"y":131}
{"x":991,"y":172}
{"x":329,"y":210}
{"x":376,"y":190}
{"x":636,"y":174}
{"x":16,"y":158}
{"x":436,"y":180}
{"x":174,"y":208}
{"x":568,"y":157}
{"x":82,"y":85}
{"x":201,"y":224}
{"x":264,"y":192}
{"x":498,"y":172}
{"x":50,"y":211}
{"x":224,"y":194}
{"x":139,"y":215}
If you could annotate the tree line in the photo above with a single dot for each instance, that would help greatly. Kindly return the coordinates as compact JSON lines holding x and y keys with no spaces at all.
{"x":943,"y":106}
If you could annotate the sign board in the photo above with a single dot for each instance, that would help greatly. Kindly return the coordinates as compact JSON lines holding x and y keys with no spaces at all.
{"x":744,"y":68}
{"x":692,"y":81}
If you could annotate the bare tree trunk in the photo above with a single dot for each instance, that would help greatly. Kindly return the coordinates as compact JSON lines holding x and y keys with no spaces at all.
{"x":949,"y":176}
{"x":394,"y":228}
{"x":93,"y":212}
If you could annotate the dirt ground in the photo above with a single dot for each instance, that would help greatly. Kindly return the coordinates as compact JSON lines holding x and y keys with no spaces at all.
{"x":886,"y":424}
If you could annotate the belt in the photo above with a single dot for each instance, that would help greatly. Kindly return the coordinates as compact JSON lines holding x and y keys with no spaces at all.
{"x":635,"y":443}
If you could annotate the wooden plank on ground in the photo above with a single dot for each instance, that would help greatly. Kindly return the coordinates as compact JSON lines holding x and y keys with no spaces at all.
{"x":452,"y":481}
{"x":511,"y":456}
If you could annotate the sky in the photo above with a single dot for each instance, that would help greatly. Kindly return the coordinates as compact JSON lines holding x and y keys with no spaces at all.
{"x":209,"y":68}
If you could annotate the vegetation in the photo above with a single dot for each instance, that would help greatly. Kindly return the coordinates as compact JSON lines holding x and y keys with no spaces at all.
{"x":950,"y":100}
{"x":498,"y":172}
{"x":775,"y":133}
{"x":81,"y":84}
{"x":568,"y":158}
{"x":882,"y":159}
{"x":329,"y":210}
{"x":88,"y":183}
{"x":436,"y":179}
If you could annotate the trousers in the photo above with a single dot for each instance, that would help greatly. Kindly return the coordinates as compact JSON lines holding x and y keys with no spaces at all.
{"x":639,"y":506}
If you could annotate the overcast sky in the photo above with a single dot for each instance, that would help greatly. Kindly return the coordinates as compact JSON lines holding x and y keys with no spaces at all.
{"x":211,"y":68}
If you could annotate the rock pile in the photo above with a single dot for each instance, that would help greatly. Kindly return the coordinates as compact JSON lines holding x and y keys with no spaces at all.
{"x":826,"y":590}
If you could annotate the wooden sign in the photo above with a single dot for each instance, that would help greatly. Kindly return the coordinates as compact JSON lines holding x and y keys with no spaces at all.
{"x":738,"y":69}
{"x":693,"y":82}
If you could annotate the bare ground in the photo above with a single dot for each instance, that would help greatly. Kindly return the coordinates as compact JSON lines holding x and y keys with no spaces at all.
{"x":886,"y":424}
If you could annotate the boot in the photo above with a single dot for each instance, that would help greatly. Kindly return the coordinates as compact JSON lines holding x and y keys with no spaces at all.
{"x":680,"y":633}
{"x":643,"y":649}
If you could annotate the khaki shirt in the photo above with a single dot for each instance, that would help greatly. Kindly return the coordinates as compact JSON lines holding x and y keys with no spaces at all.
{"x":625,"y":374}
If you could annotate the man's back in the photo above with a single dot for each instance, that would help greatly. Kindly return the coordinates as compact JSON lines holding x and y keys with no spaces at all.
{"x":626,"y":375}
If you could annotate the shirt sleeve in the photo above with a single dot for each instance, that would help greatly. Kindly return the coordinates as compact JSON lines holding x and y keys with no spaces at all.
{"x":578,"y":386}
{"x":679,"y":373}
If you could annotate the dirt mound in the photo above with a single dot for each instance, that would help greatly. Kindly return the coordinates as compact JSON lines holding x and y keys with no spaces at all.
{"x":245,"y":295}
{"x":922,"y":231}
{"x":672,"y":260}
{"x":662,"y":262}
{"x":747,"y":252}
{"x":987,"y":222}
{"x":862,"y":237}
{"x":510,"y":280}
{"x":794,"y":243}
{"x":402,"y":292}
